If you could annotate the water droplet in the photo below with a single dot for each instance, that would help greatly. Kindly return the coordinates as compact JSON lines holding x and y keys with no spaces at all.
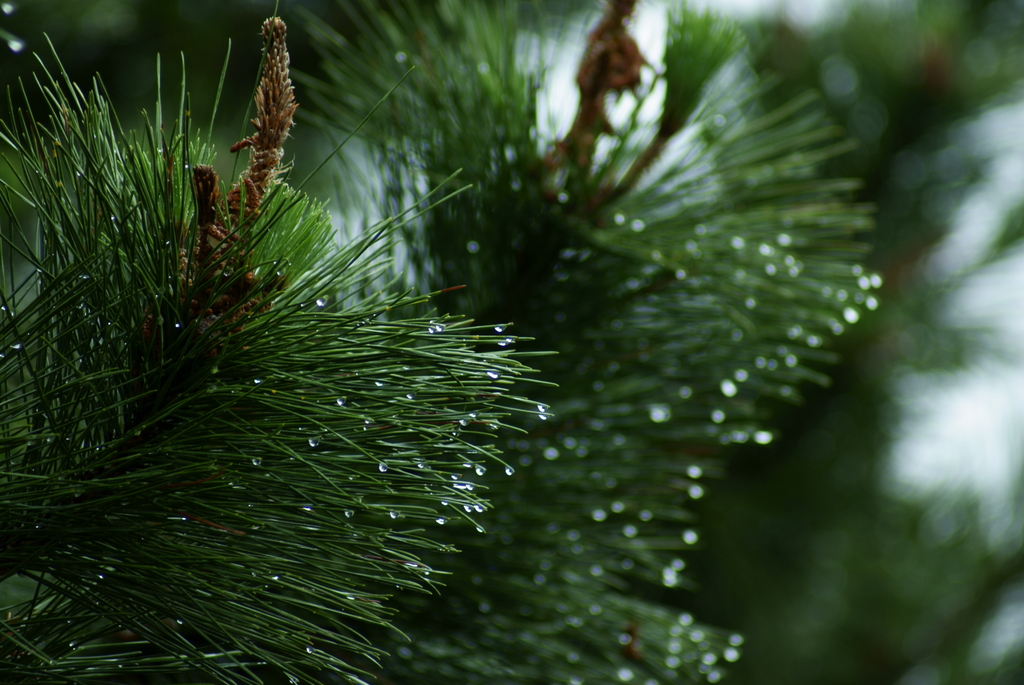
{"x":563,"y":197}
{"x":871,"y":302}
{"x":685,"y":392}
{"x":441,"y":520}
{"x":770,"y":269}
{"x":321,"y":302}
{"x":851,"y":315}
{"x":499,"y":329}
{"x":341,"y":401}
{"x":349,"y":513}
{"x":393,"y":514}
{"x":728,"y":388}
{"x":313,"y":441}
{"x":8,"y":7}
{"x":629,"y":530}
{"x":257,"y":381}
{"x":637,"y":225}
{"x":690,"y":537}
{"x":480,"y":469}
{"x":696,"y":491}
{"x":382,"y":467}
{"x":15,"y":45}
{"x":625,"y":674}
{"x":493,"y":375}
{"x":551,"y":453}
{"x":599,"y":514}
{"x":659,"y":413}
{"x":737,"y":243}
{"x":410,"y":396}
{"x":876,"y":281}
{"x":16,"y":346}
{"x":400,"y":57}
{"x":784,"y":239}
{"x":718,"y":416}
{"x":472,"y":247}
{"x":435,"y":328}
{"x":256,"y":461}
{"x":731,"y":654}
{"x":309,"y":649}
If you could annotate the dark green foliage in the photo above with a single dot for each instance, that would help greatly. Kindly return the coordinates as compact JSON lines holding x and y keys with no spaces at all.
{"x":682,"y":272}
{"x":697,"y":46}
{"x":227,"y":492}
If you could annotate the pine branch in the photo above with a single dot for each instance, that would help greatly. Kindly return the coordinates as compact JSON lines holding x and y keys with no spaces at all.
{"x":218,"y":453}
{"x":686,"y":265}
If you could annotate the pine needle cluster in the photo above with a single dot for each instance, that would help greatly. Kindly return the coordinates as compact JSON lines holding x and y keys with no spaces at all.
{"x":219,"y":449}
{"x":673,"y":240}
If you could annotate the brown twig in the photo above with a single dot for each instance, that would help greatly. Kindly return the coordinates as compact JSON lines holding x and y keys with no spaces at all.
{"x":611,"y":64}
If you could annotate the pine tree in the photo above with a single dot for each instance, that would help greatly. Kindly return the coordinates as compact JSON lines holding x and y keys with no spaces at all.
{"x":220,"y":444}
{"x":678,"y":247}
{"x":237,"y":448}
